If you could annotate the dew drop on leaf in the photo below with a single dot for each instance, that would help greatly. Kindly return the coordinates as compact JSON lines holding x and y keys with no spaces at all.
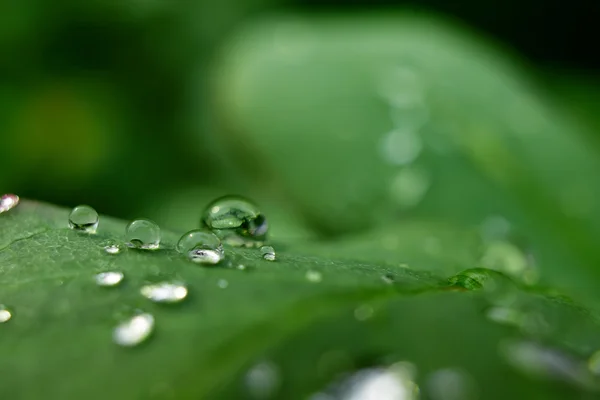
{"x":109,"y":279}
{"x":201,"y":247}
{"x":263,"y":380}
{"x":8,"y":202}
{"x":142,"y":234}
{"x":268,"y":253}
{"x":5,"y":314}
{"x":236,"y":221}
{"x":387,"y":278}
{"x":112,"y":249}
{"x":165,"y":292}
{"x":84,"y":219}
{"x":134,"y":331}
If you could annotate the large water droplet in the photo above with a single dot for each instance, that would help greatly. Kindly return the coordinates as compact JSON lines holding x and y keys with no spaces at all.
{"x":142,"y":234}
{"x":5,"y":314}
{"x":110,"y":278}
{"x":134,"y":330}
{"x":83,"y":218}
{"x":237,"y":221}
{"x":268,"y":253}
{"x":395,"y":382}
{"x":201,"y":247}
{"x":263,"y":380}
{"x":409,"y":186}
{"x":8,"y":201}
{"x":165,"y":292}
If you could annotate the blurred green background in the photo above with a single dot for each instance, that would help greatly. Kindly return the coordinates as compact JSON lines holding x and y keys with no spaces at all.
{"x":337,"y":118}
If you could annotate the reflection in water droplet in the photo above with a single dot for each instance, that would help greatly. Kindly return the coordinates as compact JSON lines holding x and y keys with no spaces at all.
{"x":395,"y":382}
{"x":314,"y":276}
{"x":268,"y":253}
{"x":236,"y":221}
{"x":112,"y":249}
{"x":401,"y":146}
{"x":108,"y":279}
{"x":165,"y":292}
{"x":363,"y":312}
{"x":222,"y":283}
{"x":536,"y":360}
{"x":450,"y":384}
{"x":83,"y":218}
{"x":5,"y":314}
{"x":201,"y":247}
{"x":506,"y":257}
{"x":142,"y":234}
{"x":263,"y":380}
{"x":409,"y":186}
{"x":8,"y":202}
{"x":134,"y":331}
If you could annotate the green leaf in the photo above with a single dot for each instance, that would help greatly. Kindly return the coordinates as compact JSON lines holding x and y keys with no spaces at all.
{"x":58,"y":344}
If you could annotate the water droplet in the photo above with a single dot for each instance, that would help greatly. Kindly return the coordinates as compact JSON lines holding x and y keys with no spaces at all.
{"x":237,"y":221}
{"x":395,"y":382}
{"x":222,"y":283}
{"x":83,"y":218}
{"x":108,"y":279}
{"x":314,"y":276}
{"x":451,"y":384}
{"x":401,"y":146}
{"x":263,"y":380}
{"x":165,"y":292}
{"x":242,"y":267}
{"x":5,"y":314}
{"x":134,"y":330}
{"x":506,"y":257}
{"x":388,"y":278}
{"x":268,"y":253}
{"x":201,"y":247}
{"x":409,"y":186}
{"x":142,"y":234}
{"x":112,"y":249}
{"x":363,"y":312}
{"x":470,"y":279}
{"x":8,"y":202}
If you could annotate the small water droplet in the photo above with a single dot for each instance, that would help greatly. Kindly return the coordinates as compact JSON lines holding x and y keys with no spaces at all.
{"x":409,"y":186}
{"x":8,"y":202}
{"x":5,"y":314}
{"x":451,"y":384}
{"x":236,"y":221}
{"x":363,"y":312}
{"x":268,"y":253}
{"x":108,"y":279}
{"x":314,"y":276}
{"x":83,"y":218}
{"x":263,"y":380}
{"x":222,"y":283}
{"x":201,"y":247}
{"x":134,"y":330}
{"x":112,"y":249}
{"x":165,"y":292}
{"x":388,"y":279}
{"x":142,"y":234}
